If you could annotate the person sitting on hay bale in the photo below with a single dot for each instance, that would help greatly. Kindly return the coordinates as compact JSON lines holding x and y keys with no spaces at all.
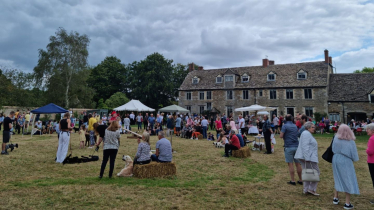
{"x":233,"y":144}
{"x":142,"y":155}
{"x":163,"y":149}
{"x":196,"y":131}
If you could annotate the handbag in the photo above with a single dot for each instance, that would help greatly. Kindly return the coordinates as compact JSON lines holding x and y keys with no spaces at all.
{"x":328,"y":153}
{"x":309,"y":174}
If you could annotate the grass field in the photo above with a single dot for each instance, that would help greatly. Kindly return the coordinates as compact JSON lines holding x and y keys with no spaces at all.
{"x":30,"y":179}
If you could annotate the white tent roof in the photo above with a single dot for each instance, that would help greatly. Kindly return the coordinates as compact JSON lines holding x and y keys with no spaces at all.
{"x":254,"y":108}
{"x":263,"y":113}
{"x":174,"y":108}
{"x":134,"y":105}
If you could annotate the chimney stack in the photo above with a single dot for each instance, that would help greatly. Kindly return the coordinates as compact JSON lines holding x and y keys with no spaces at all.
{"x":191,"y":67}
{"x":326,"y":56}
{"x":265,"y":62}
{"x":330,"y":60}
{"x":200,"y":68}
{"x":271,"y":63}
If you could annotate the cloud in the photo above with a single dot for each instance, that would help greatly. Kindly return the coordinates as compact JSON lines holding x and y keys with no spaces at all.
{"x":213,"y":34}
{"x":354,"y":60}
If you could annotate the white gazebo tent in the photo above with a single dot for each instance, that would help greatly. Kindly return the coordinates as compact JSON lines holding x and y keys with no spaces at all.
{"x":134,"y":105}
{"x":254,"y":108}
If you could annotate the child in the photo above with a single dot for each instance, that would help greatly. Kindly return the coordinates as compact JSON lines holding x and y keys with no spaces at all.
{"x":82,"y":136}
{"x":321,"y":126}
{"x":210,"y":137}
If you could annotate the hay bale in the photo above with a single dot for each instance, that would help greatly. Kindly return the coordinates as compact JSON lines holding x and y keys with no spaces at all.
{"x":243,"y":152}
{"x":154,"y":169}
{"x":200,"y":136}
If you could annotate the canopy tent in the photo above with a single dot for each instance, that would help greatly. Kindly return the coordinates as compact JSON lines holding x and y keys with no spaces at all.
{"x":47,"y":109}
{"x":174,"y":108}
{"x":134,"y":105}
{"x":263,"y":113}
{"x":254,"y":108}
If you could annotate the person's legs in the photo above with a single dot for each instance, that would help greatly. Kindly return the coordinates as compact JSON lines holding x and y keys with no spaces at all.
{"x":299,"y":170}
{"x":154,"y":157}
{"x":267,"y":136}
{"x":204,"y":132}
{"x":105,"y":160}
{"x":347,"y":198}
{"x":112,"y":156}
{"x":371,"y":170}
{"x":227,"y":148}
{"x":291,"y":170}
{"x":63,"y":150}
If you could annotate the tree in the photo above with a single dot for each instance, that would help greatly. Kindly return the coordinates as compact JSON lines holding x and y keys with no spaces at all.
{"x":107,"y":78}
{"x":66,"y":55}
{"x":365,"y":70}
{"x":101,"y":104}
{"x":116,"y":100}
{"x":152,"y":80}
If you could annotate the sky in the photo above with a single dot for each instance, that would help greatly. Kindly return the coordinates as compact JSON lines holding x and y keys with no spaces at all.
{"x":210,"y":33}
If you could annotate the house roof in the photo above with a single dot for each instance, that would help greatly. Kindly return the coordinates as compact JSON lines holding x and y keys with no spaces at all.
{"x":286,"y":76}
{"x":350,"y":87}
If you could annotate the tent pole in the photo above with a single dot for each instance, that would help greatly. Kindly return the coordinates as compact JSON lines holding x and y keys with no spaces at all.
{"x":33,"y":122}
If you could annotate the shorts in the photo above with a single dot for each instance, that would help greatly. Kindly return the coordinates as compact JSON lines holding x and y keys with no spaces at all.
{"x":177,"y":129}
{"x":276,"y":127}
{"x":289,"y":154}
{"x":6,"y":136}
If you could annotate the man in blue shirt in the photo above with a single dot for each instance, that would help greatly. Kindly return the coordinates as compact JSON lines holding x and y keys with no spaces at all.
{"x":151,"y":121}
{"x":178,"y":125}
{"x":204,"y":125}
{"x":289,"y":133}
{"x":164,"y":153}
{"x":267,"y":131}
{"x":224,"y":121}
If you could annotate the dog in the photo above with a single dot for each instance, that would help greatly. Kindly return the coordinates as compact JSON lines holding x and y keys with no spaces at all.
{"x":75,"y":129}
{"x":127,"y":171}
{"x":218,"y":144}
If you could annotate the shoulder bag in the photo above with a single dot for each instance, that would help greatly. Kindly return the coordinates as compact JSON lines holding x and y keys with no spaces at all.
{"x":328,"y":154}
{"x":310,"y":174}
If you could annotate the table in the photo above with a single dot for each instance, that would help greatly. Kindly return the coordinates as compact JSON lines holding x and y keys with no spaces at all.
{"x":258,"y":144}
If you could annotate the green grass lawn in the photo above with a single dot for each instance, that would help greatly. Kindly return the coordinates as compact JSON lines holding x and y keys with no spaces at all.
{"x":205,"y":180}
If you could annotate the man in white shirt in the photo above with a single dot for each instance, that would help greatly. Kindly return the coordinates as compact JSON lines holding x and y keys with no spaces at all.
{"x":242,"y":124}
{"x":276,"y":123}
{"x":204,"y":125}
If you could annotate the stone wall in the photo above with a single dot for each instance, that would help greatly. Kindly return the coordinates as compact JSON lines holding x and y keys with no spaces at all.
{"x":350,"y":107}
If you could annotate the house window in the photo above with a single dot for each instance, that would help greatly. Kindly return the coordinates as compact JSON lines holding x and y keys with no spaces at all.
{"x":245,"y":113}
{"x":219,"y":79}
{"x":189,"y":95}
{"x":201,"y":95}
{"x":188,"y":108}
{"x":273,"y":94}
{"x":229,"y":78}
{"x":201,"y":109}
{"x":309,"y":111}
{"x":301,"y":75}
{"x":289,"y":94}
{"x":308,"y":93}
{"x":208,"y":95}
{"x":209,"y":106}
{"x":334,"y":117}
{"x":271,"y":76}
{"x":260,"y":93}
{"x":229,"y":95}
{"x":245,"y":78}
{"x":195,"y":80}
{"x":229,"y":111}
{"x":371,"y":98}
{"x":245,"y":94}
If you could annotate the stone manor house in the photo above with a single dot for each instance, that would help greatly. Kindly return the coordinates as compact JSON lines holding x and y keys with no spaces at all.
{"x":308,"y":88}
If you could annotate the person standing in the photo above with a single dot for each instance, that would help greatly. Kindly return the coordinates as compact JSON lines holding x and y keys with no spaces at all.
{"x":151,"y":121}
{"x":126,"y":123}
{"x":139,"y":120}
{"x":224,"y":121}
{"x":64,"y":138}
{"x":170,"y":125}
{"x":6,"y":132}
{"x":345,"y":153}
{"x":91,"y":122}
{"x":233,"y":144}
{"x":211,"y":122}
{"x":164,"y":152}
{"x":85,"y":119}
{"x":275,"y":123}
{"x":307,"y":154}
{"x":132,"y":118}
{"x":1,"y":119}
{"x":27,"y":120}
{"x":204,"y":125}
{"x":327,"y":125}
{"x":370,"y":152}
{"x":178,"y":123}
{"x":304,"y":119}
{"x":267,"y":131}
{"x":80,"y":117}
{"x":20,"y":124}
{"x":145,"y":121}
{"x":289,"y":134}
{"x":104,"y":119}
{"x":110,"y":149}
{"x":241,"y":124}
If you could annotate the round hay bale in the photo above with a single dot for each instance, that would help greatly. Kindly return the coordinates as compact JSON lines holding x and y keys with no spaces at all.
{"x":200,"y":136}
{"x":243,"y":152}
{"x":154,"y":169}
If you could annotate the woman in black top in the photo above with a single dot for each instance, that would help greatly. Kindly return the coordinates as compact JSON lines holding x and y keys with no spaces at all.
{"x":64,"y":139}
{"x":100,"y":130}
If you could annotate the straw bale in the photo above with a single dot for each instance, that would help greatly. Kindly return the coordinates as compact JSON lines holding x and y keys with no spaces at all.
{"x":154,"y":169}
{"x":243,"y":152}
{"x":200,"y":136}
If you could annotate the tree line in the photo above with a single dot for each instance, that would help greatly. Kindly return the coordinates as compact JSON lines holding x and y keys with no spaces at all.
{"x":64,"y":77}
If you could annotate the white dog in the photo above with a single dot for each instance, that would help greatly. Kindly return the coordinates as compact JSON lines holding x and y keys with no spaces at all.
{"x":218,"y":144}
{"x":127,"y":171}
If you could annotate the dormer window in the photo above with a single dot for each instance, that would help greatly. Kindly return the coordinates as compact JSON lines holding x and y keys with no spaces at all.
{"x":195,"y":80}
{"x":229,"y":78}
{"x":219,"y":79}
{"x":245,"y":78}
{"x":271,"y":76}
{"x":301,"y":75}
{"x":371,"y":97}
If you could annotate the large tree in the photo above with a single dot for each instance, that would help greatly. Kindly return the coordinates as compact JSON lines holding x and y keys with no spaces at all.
{"x":365,"y":70}
{"x":107,"y":78}
{"x":153,"y":80}
{"x":65,"y":57}
{"x":116,"y":100}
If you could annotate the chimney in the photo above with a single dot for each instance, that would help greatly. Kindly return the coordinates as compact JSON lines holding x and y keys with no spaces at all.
{"x":191,"y":67}
{"x":330,"y":60}
{"x":200,"y":68}
{"x":265,"y":62}
{"x":326,"y":56}
{"x":271,"y":63}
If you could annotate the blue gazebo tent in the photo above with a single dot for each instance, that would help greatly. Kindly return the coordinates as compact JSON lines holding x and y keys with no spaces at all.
{"x":47,"y":109}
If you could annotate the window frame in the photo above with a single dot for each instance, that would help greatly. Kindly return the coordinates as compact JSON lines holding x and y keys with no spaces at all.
{"x":189,"y":108}
{"x":209,"y":107}
{"x":228,"y":109}
{"x":245,"y":95}
{"x":260,"y":93}
{"x":274,"y":94}
{"x":200,"y":109}
{"x":309,"y":109}
{"x":203,"y":94}
{"x":245,"y":76}
{"x":301,"y":73}
{"x":195,"y":79}
{"x":229,"y":76}
{"x":289,"y":92}
{"x":306,"y":93}
{"x":209,"y":93}
{"x":227,"y":95}
{"x":188,"y":94}
{"x":272,"y":74}
{"x":219,"y":76}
